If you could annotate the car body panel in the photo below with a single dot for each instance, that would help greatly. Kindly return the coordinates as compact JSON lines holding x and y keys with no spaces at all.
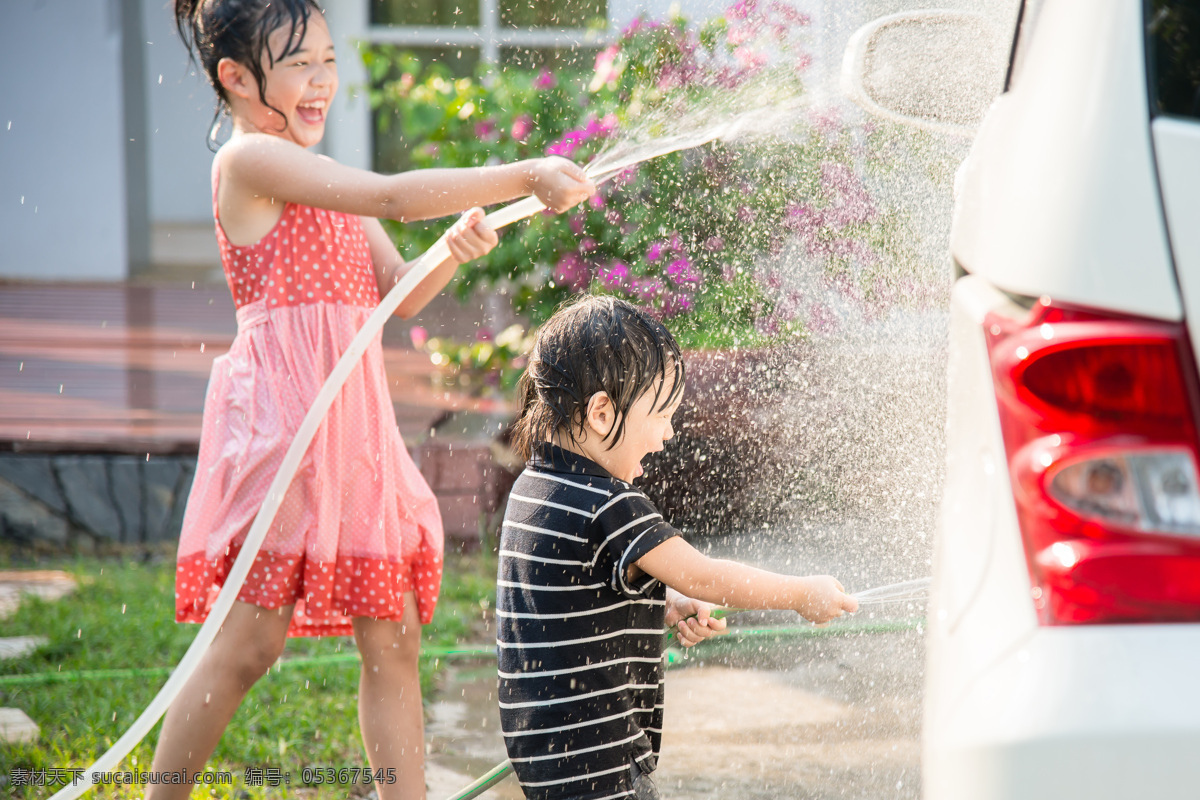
{"x":1177,"y":151}
{"x":1097,"y":712}
{"x":1059,"y":195}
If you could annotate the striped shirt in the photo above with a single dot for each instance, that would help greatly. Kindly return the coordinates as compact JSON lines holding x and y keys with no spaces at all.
{"x":580,"y":644}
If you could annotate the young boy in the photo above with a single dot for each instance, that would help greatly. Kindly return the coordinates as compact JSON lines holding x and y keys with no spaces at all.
{"x":590,"y":574}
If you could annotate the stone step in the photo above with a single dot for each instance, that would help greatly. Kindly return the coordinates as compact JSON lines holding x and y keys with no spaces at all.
{"x":48,"y":584}
{"x":16,"y":726}
{"x":17,"y":646}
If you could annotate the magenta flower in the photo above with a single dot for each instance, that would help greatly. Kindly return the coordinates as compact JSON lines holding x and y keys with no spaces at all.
{"x":596,"y":200}
{"x":567,"y":145}
{"x":484,"y":334}
{"x":521,"y":128}
{"x":714,"y":244}
{"x":587,"y":244}
{"x":654,"y":252}
{"x":419,"y":336}
{"x":485,"y":130}
{"x":572,"y":272}
{"x":647,"y":289}
{"x":682,"y":273}
{"x":606,"y":69}
{"x":614,"y":276}
{"x":545,"y":80}
{"x":675,"y":304}
{"x":576,"y":222}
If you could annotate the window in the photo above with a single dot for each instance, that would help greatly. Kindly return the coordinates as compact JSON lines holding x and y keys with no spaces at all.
{"x":461,"y":33}
{"x":1173,"y":57}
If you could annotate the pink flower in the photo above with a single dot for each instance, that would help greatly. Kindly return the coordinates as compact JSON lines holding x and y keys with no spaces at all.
{"x":484,"y":335}
{"x":714,"y":243}
{"x":675,"y":304}
{"x":767,"y":326}
{"x":654,"y":252}
{"x":750,"y":59}
{"x":587,"y":244}
{"x":605,"y":70}
{"x":821,"y":318}
{"x":646,"y":289}
{"x":521,"y":128}
{"x":614,"y":276}
{"x":851,"y":202}
{"x":572,"y":272}
{"x":545,"y":80}
{"x":486,"y":130}
{"x":567,"y":145}
{"x":419,"y":336}
{"x":740,"y":10}
{"x":576,"y":222}
{"x":682,"y":273}
{"x":596,"y":200}
{"x":599,"y":127}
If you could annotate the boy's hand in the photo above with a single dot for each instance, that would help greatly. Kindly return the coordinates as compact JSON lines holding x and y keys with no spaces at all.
{"x":691,"y":619}
{"x":559,"y":183}
{"x":471,"y":237}
{"x":826,"y":600}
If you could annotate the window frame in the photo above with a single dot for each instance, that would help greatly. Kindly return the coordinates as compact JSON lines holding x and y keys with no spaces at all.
{"x":489,"y":36}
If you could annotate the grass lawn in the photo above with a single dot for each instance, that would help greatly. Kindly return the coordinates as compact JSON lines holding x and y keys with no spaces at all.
{"x":121,"y":619}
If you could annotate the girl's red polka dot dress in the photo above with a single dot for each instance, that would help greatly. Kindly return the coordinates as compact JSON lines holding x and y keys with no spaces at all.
{"x":359,"y":526}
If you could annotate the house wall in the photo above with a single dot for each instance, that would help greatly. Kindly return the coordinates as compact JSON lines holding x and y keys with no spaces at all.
{"x":62,"y":156}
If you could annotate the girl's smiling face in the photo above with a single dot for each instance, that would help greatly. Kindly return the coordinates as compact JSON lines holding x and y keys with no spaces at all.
{"x":300,"y":86}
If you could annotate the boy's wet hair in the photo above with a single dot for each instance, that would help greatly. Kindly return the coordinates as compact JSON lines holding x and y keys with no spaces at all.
{"x":594,"y":344}
{"x":239,"y":29}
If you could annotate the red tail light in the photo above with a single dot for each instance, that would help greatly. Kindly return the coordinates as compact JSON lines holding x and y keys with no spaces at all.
{"x":1098,"y":417}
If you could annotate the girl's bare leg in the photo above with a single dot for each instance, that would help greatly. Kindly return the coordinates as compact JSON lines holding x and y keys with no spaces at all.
{"x":244,"y":649}
{"x":389,"y":701}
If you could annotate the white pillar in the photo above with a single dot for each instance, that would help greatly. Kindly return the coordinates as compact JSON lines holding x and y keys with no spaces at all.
{"x":348,"y":129}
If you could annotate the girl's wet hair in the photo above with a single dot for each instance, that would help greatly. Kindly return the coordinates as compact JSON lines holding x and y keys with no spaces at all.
{"x":594,"y":344}
{"x":239,"y":29}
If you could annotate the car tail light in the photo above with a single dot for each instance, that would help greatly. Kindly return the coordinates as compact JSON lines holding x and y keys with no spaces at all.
{"x":1098,"y":414}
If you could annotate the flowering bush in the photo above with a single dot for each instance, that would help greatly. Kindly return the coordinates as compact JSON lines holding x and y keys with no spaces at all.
{"x":487,"y":366}
{"x":689,"y":235}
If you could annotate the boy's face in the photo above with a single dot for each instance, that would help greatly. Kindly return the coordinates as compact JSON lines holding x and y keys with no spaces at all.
{"x":647,"y":429}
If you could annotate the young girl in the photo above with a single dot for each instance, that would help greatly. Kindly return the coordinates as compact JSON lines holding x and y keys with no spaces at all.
{"x":357,"y":545}
{"x":590,"y":573}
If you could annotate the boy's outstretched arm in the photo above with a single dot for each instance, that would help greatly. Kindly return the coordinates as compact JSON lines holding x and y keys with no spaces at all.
{"x":676,"y":563}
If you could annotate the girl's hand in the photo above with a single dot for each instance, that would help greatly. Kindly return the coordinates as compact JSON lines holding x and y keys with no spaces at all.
{"x":826,"y":600}
{"x":559,"y":183}
{"x":471,"y":237}
{"x":691,"y":619}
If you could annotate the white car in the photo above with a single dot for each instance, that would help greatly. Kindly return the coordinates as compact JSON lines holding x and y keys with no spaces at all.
{"x":1063,"y":649}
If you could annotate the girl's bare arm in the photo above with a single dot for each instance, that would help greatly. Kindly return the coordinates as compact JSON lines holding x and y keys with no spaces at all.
{"x":469,"y":239}
{"x":676,"y":563}
{"x":275,"y":170}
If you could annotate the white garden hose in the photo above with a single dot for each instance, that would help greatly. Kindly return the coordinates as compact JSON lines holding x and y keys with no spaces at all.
{"x":419,"y":270}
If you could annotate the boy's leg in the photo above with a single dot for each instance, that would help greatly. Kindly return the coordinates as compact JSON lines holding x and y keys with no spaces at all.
{"x":389,"y":701}
{"x":245,"y":647}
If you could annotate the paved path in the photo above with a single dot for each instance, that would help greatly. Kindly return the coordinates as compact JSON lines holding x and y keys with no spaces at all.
{"x":123,"y":368}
